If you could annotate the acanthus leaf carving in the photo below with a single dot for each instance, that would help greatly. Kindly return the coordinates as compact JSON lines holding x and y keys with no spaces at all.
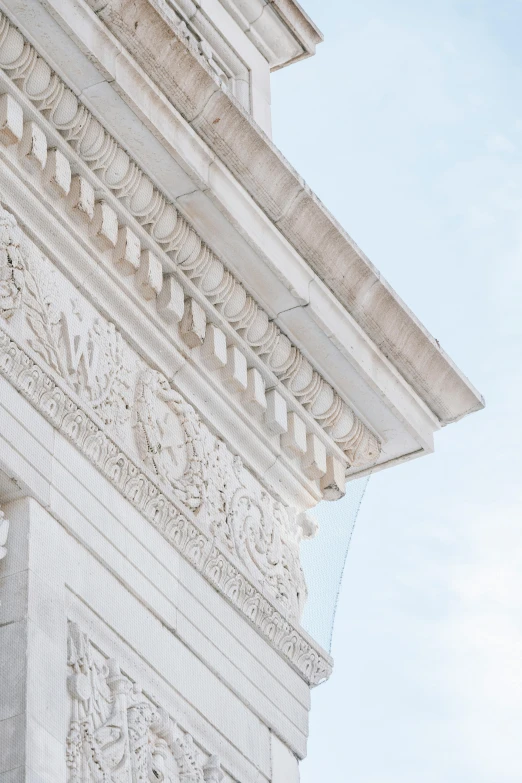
{"x":169,"y":436}
{"x":87,"y":352}
{"x":91,"y":357}
{"x":11,"y":268}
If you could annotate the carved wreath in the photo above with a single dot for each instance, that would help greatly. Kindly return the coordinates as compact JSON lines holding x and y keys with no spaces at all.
{"x":169,"y":437}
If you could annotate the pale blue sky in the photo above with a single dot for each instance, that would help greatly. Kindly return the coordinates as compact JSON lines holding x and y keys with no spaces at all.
{"x":408,"y":125}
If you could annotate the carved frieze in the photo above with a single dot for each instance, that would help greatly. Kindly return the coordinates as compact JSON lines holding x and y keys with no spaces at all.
{"x":169,"y":437}
{"x":11,"y":268}
{"x":117,"y":734}
{"x":177,"y":525}
{"x":139,"y":406}
{"x":4,"y":532}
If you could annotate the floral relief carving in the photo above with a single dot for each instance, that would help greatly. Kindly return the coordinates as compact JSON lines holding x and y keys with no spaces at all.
{"x":11,"y":267}
{"x":169,"y":436}
{"x":162,"y":511}
{"x":226,"y":525}
{"x":260,"y":532}
{"x":88,"y":353}
{"x":117,"y":734}
{"x":4,"y":532}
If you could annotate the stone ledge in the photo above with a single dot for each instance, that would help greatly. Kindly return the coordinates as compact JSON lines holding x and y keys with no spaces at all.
{"x":286,"y":199}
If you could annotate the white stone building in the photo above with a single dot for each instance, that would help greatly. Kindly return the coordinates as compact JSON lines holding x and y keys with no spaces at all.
{"x":193,"y":354}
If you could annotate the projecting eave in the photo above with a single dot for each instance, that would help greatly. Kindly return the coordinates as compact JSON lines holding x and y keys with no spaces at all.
{"x":251,"y":208}
{"x":289,"y":204}
{"x":280,"y":29}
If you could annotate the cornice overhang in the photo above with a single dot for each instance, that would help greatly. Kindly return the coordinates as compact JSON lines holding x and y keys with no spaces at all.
{"x":289,"y":203}
{"x":281,"y":30}
{"x":222,"y":198}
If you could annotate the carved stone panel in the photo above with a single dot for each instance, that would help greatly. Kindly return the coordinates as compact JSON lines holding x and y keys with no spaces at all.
{"x":117,"y":734}
{"x":155,"y":425}
{"x":4,"y":532}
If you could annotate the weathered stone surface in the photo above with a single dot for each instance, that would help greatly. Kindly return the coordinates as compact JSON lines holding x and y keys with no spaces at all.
{"x":183,"y":375}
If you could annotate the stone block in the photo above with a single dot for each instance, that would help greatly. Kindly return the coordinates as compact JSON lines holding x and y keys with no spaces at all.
{"x":81,"y":199}
{"x":57,"y":173}
{"x":193,"y":324}
{"x":334,"y":480}
{"x":149,"y":277}
{"x":314,"y":461}
{"x":254,"y":396}
{"x":276,"y":413}
{"x":236,"y":369}
{"x":104,"y":226}
{"x":13,"y":666}
{"x":14,"y":598}
{"x":11,"y":120}
{"x":12,"y":742}
{"x":45,"y":755}
{"x":33,"y":146}
{"x":285,"y":766}
{"x":127,"y":252}
{"x":170,"y":302}
{"x":294,"y":440}
{"x":46,"y":684}
{"x":214,"y":351}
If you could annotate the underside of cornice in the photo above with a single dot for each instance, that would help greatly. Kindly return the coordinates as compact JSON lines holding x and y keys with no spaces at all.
{"x":284,"y":197}
{"x":181,"y":243}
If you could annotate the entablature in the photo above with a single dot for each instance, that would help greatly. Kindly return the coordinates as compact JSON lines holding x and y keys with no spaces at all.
{"x":345,"y":365}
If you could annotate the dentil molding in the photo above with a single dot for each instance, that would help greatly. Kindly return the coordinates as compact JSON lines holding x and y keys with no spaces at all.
{"x":119,"y":172}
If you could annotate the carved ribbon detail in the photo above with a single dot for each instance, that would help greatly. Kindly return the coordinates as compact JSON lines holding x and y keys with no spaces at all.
{"x":117,"y":734}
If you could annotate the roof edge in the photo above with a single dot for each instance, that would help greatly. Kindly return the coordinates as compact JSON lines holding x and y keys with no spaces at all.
{"x":235,"y":138}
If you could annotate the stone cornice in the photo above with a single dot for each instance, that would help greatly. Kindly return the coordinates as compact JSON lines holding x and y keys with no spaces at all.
{"x":266,"y":23}
{"x":170,"y":230}
{"x":299,"y":215}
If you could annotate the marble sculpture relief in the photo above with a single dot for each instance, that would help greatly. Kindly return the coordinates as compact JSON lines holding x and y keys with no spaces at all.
{"x":117,"y":734}
{"x":139,"y":406}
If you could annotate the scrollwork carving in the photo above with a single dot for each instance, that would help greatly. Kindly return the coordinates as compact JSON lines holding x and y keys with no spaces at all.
{"x":4,"y":532}
{"x":117,"y":734}
{"x":169,"y":437}
{"x":11,"y":267}
{"x":175,"y":524}
{"x":260,"y":532}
